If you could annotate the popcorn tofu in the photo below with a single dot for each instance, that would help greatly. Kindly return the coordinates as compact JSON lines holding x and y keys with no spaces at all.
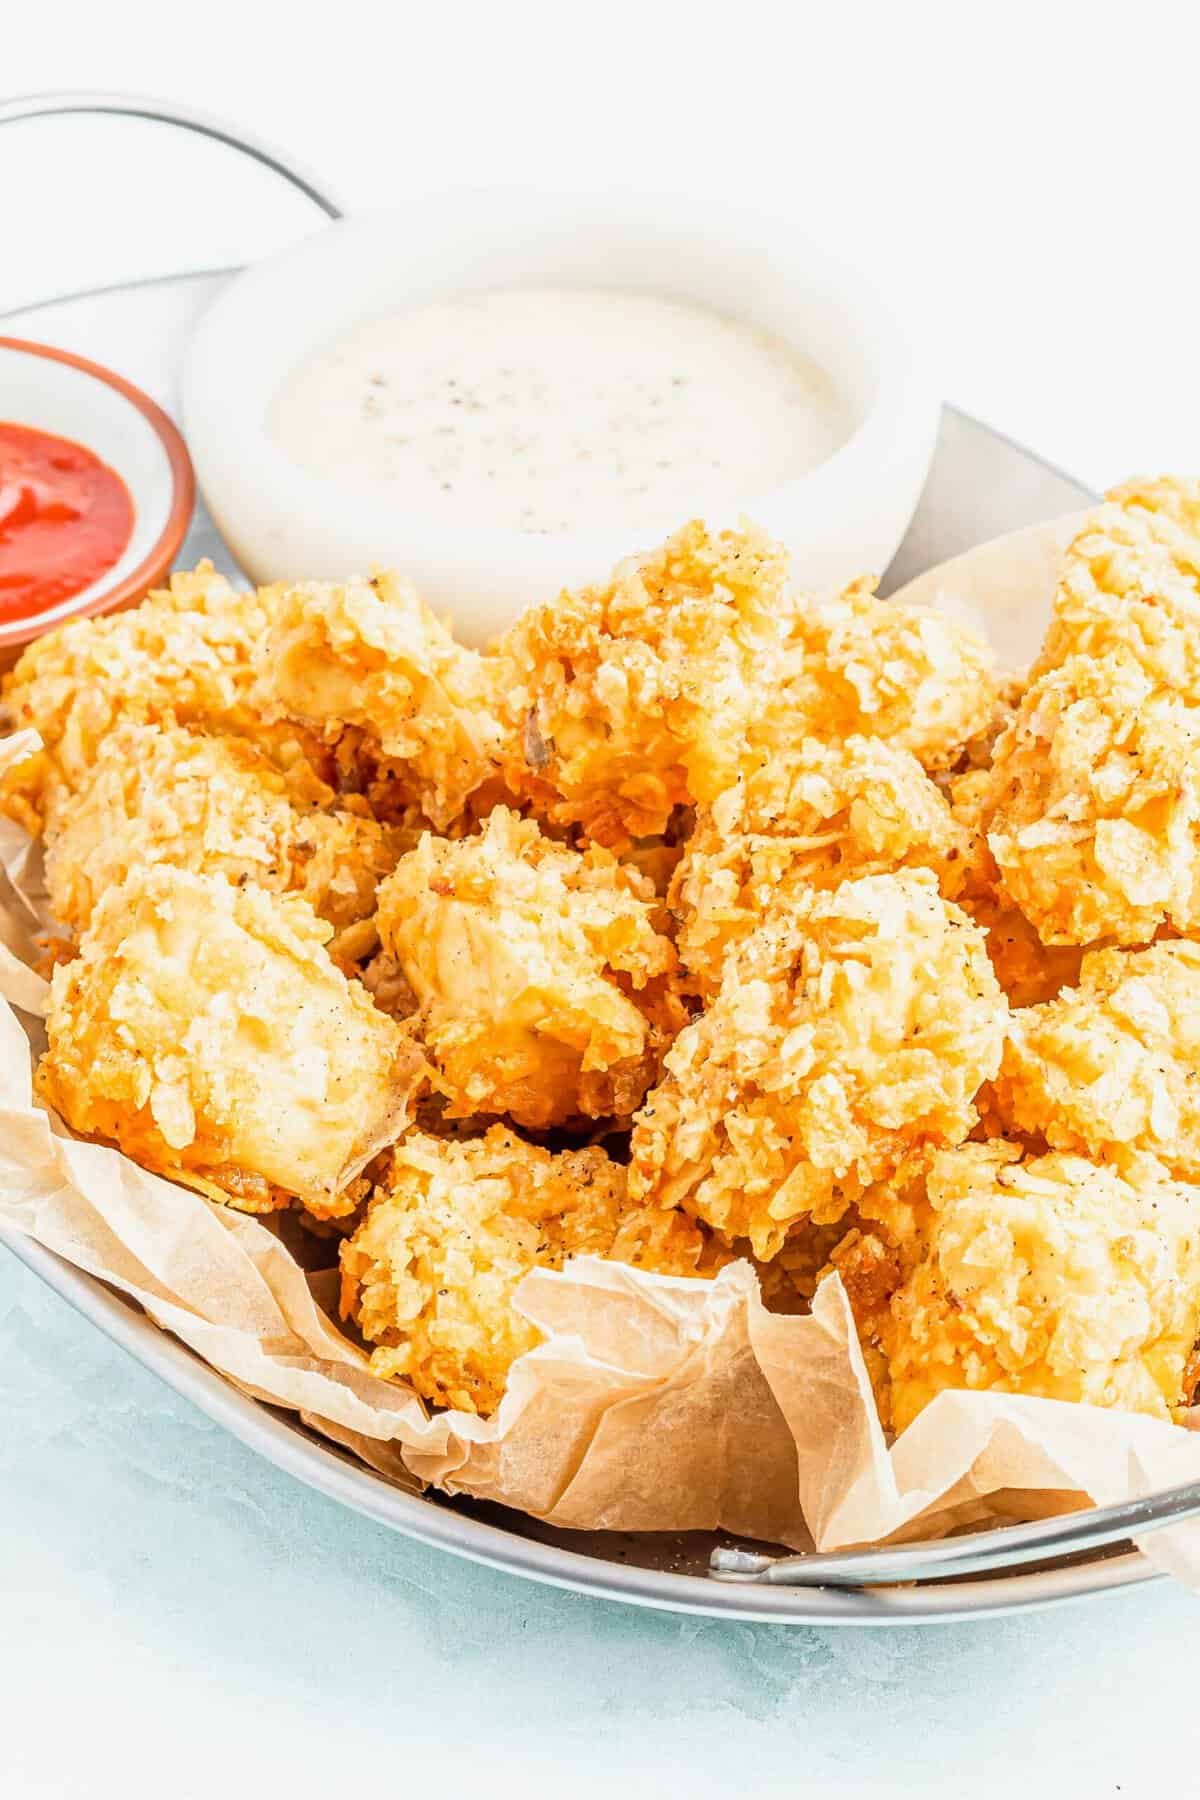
{"x":852,"y":1028}
{"x":542,"y":980}
{"x":1093,"y":805}
{"x":1130,"y":584}
{"x":430,"y":1274}
{"x":695,"y":664}
{"x":187,"y":655}
{"x":204,"y":1029}
{"x":160,"y":794}
{"x":1047,"y":1275}
{"x":1113,"y":1066}
{"x":816,"y":815}
{"x":860,"y":665}
{"x":368,"y":657}
{"x":1093,"y":810}
{"x":635,"y":697}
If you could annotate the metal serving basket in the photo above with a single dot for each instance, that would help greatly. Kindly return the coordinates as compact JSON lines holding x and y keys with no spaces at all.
{"x":981,"y":485}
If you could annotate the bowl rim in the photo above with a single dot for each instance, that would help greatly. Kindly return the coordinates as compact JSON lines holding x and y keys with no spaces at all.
{"x":894,"y":429}
{"x":162,"y":552}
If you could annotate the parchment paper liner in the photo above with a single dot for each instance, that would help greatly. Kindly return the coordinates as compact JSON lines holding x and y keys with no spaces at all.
{"x":653,"y":1403}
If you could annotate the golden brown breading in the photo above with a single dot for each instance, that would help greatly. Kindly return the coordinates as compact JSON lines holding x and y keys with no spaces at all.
{"x":1028,"y":970}
{"x":976,"y":754}
{"x":1130,"y":582}
{"x":696,"y":663}
{"x":429,"y":1275}
{"x":814,"y":816}
{"x":1114,"y":1065}
{"x":204,"y":1029}
{"x":1093,"y":809}
{"x":633,"y":698}
{"x":851,"y":1028}
{"x":1047,"y":1275}
{"x":858,"y":664}
{"x":542,"y":980}
{"x":160,"y":794}
{"x":369,"y":657}
{"x":186,"y":655}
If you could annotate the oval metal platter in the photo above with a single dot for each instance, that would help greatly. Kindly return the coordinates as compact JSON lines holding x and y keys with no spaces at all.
{"x":981,"y":486}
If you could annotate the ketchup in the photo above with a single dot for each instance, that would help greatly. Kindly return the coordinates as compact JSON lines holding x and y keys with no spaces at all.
{"x":65,"y":520}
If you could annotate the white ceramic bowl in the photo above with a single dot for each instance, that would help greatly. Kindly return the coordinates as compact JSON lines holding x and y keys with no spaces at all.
{"x":51,"y":390}
{"x":283,"y":522}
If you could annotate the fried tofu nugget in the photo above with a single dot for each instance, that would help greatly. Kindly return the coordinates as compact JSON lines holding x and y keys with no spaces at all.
{"x":852,"y":1028}
{"x":160,"y":794}
{"x":1113,"y":1065}
{"x":186,"y":655}
{"x":368,"y":658}
{"x":429,"y":1275}
{"x":1093,"y":810}
{"x":815,"y":817}
{"x":1047,"y":1275}
{"x":204,"y":1029}
{"x":633,"y":698}
{"x":1130,"y":582}
{"x":696,"y":663}
{"x":542,"y":979}
{"x":1028,"y":970}
{"x":860,"y":665}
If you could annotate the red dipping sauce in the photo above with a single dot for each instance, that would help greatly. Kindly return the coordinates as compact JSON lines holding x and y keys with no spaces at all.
{"x":65,"y":519}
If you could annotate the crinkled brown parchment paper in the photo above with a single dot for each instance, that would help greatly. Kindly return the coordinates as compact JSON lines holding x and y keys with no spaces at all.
{"x":653,"y":1403}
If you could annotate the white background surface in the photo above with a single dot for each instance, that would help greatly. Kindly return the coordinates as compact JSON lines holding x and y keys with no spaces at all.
{"x":179,"y":1619}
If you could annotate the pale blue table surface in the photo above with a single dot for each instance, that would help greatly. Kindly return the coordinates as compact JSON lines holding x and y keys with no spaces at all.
{"x":181,"y":1618}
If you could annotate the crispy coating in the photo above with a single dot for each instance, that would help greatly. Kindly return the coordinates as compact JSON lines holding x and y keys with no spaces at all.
{"x":861,"y":665}
{"x":204,"y":1029}
{"x":976,"y":754}
{"x":429,"y":1275}
{"x":1047,"y":1275}
{"x":696,"y":663}
{"x":1113,"y":1065}
{"x":633,"y":698}
{"x":368,"y":658}
{"x":1130,"y":582}
{"x":814,"y":816}
{"x":1028,"y":970}
{"x":868,"y":847}
{"x":215,"y":805}
{"x":543,"y":981}
{"x":1093,"y":805}
{"x":187,"y":654}
{"x":850,"y":1029}
{"x":1093,"y":808}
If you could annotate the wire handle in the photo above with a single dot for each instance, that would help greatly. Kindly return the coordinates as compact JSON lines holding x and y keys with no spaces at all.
{"x":980,"y":1553}
{"x":186,"y":118}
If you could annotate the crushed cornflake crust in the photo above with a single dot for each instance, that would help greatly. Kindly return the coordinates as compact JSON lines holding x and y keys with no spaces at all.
{"x":851,"y":1028}
{"x":748,"y":942}
{"x":542,"y":978}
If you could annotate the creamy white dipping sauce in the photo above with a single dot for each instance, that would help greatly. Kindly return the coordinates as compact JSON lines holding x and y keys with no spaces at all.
{"x":558,"y":410}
